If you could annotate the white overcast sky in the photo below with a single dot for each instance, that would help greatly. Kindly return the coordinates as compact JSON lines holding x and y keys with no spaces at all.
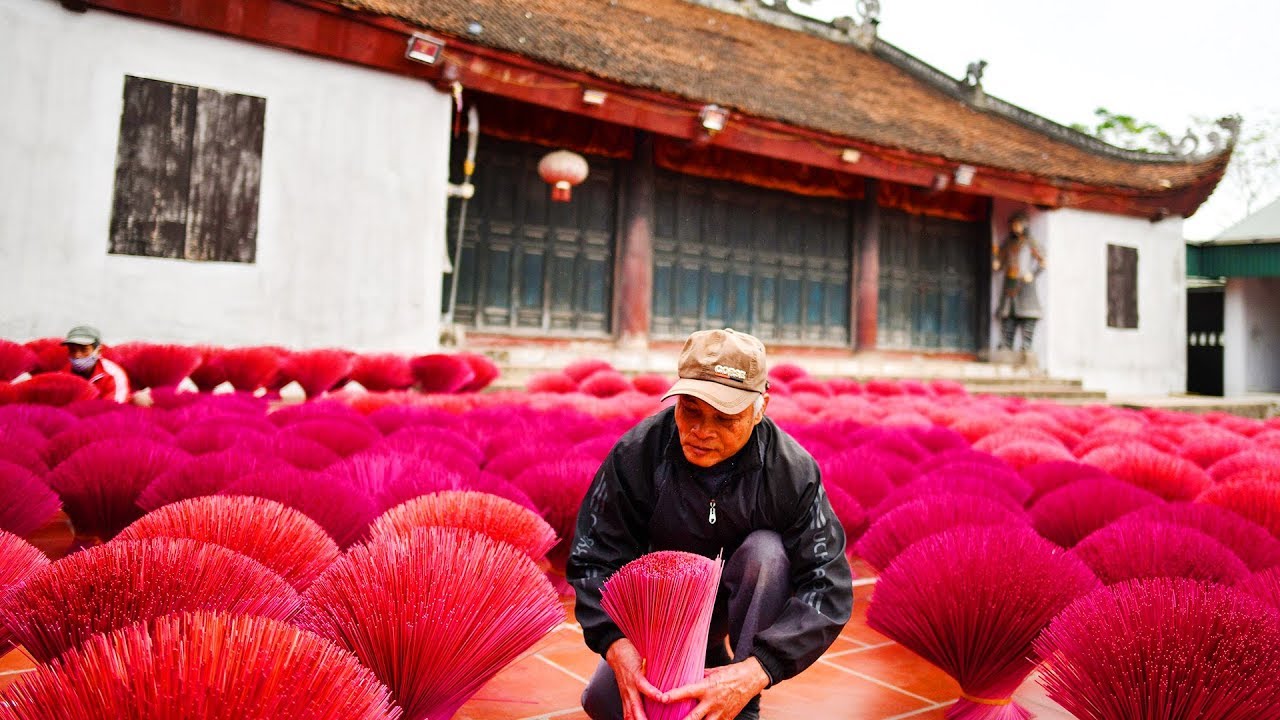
{"x":1162,"y":61}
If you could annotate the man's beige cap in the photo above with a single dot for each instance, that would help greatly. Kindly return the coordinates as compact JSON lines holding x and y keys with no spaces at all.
{"x":722,"y":367}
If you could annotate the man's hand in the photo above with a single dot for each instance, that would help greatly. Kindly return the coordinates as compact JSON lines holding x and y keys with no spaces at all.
{"x":995,"y":264}
{"x":628,"y":668}
{"x":724,"y":691}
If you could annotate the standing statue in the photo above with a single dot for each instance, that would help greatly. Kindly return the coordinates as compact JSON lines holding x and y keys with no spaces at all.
{"x":1022,"y":262}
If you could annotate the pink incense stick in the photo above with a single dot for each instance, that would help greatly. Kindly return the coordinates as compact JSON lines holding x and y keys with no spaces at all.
{"x":663,"y":603}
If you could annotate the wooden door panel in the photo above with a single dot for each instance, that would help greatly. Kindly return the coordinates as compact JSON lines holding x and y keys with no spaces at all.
{"x":930,"y":275}
{"x":773,"y":264}
{"x":529,"y":263}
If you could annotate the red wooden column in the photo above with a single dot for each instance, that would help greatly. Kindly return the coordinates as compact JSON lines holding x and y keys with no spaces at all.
{"x":867,"y":287}
{"x":635,"y":277}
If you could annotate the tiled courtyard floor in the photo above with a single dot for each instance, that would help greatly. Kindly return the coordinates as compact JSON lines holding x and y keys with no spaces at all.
{"x":864,"y":676}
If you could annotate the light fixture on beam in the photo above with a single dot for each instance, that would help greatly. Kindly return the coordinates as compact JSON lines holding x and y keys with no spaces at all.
{"x":964,"y":175}
{"x":940,"y":182}
{"x":424,"y":49}
{"x":713,"y":118}
{"x":850,"y":156}
{"x":594,"y":97}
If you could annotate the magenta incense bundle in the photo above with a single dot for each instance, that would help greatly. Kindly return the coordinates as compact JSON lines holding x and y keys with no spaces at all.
{"x":663,"y":603}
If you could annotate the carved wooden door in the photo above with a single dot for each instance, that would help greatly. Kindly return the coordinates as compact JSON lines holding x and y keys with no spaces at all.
{"x":930,"y":282}
{"x":770,"y":263}
{"x":530,"y":265}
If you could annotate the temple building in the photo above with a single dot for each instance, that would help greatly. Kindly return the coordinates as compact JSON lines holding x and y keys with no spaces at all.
{"x":277,"y":171}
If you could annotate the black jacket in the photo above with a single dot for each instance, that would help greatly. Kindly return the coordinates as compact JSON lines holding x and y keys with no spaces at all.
{"x":647,"y":497}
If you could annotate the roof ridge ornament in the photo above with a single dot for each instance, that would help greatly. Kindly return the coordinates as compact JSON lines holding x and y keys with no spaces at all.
{"x":1188,"y":145}
{"x":860,"y":31}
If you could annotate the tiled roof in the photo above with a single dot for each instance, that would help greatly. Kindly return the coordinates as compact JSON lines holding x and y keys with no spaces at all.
{"x":760,"y":69}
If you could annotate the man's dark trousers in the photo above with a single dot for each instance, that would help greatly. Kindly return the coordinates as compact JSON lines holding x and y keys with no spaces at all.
{"x":755,"y":586}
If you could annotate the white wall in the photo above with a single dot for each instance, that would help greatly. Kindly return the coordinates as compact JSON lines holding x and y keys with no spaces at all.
{"x":1074,"y":340}
{"x":351,"y":222}
{"x":1251,"y":336}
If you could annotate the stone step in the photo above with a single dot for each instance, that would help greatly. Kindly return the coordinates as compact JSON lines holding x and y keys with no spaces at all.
{"x":1260,"y":406}
{"x":1046,"y":392}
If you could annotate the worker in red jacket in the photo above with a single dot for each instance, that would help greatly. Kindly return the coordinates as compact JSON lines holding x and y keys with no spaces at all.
{"x":84,"y":351}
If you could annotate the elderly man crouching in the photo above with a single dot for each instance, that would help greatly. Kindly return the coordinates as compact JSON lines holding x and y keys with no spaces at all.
{"x":714,"y":474}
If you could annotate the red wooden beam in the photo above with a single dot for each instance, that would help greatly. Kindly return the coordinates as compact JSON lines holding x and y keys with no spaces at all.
{"x":322,"y":28}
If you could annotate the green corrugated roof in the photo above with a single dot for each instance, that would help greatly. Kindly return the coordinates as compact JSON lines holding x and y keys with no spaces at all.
{"x":1245,"y":260}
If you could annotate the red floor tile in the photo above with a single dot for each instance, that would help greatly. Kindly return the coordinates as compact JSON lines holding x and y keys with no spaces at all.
{"x":13,"y":665}
{"x":898,"y":666}
{"x":826,"y":691}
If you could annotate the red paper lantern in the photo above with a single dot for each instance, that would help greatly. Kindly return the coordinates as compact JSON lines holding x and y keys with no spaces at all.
{"x":562,"y":170}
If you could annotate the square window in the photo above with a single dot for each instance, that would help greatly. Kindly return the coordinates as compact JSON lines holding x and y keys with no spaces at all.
{"x":188,"y":173}
{"x":1122,"y":286}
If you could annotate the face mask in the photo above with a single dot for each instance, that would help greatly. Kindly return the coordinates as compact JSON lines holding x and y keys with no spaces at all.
{"x":84,"y":364}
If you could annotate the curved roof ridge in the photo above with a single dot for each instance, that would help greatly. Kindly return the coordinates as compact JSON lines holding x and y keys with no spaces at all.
{"x":864,"y":36}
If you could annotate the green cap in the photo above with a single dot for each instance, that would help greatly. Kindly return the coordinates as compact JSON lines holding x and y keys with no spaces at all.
{"x":83,"y":335}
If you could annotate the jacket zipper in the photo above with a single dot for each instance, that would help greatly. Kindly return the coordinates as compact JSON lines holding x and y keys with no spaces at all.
{"x":711,"y":514}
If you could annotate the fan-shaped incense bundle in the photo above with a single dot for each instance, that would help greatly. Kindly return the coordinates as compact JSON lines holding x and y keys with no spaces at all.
{"x":605,"y":384}
{"x":1257,"y":548}
{"x":27,"y":503}
{"x":552,"y":382}
{"x":342,"y":436}
{"x":382,"y":372}
{"x":303,"y":453}
{"x":101,"y":482}
{"x":110,"y":586}
{"x":899,"y":528}
{"x":341,"y":509}
{"x":284,"y":540}
{"x":316,"y":371}
{"x":55,"y":388}
{"x":48,"y":420}
{"x":484,"y":371}
{"x":427,"y":439}
{"x":652,"y":384}
{"x":557,"y":488}
{"x":212,"y":666}
{"x":249,"y":368}
{"x":863,"y":481}
{"x":582,"y":369}
{"x":662,"y":602}
{"x":15,"y":360}
{"x":935,"y":485}
{"x":1169,"y":476}
{"x":18,"y":561}
{"x":223,"y":432}
{"x":1049,"y":476}
{"x":209,"y":373}
{"x":92,"y":430}
{"x":971,"y":600}
{"x":497,"y":517}
{"x":1071,"y":513}
{"x":204,"y":475}
{"x":1002,"y":477}
{"x":512,"y":461}
{"x":1130,"y":549}
{"x":439,"y":373}
{"x":1255,"y":500}
{"x":1164,"y":649}
{"x":156,"y":366}
{"x":1264,"y":585}
{"x":434,"y":614}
